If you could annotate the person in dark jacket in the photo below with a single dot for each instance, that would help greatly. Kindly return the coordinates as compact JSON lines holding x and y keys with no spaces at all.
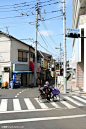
{"x":47,"y":90}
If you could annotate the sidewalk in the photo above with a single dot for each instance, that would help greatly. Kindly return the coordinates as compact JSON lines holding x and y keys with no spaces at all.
{"x":72,"y":89}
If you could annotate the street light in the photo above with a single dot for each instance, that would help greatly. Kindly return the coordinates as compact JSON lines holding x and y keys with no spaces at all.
{"x":61,"y":50}
{"x":60,"y":53}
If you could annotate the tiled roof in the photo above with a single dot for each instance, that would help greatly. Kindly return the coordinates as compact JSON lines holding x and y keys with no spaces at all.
{"x":47,"y":54}
{"x":14,"y":38}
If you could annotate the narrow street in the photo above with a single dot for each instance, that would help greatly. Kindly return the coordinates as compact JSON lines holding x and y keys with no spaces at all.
{"x":23,"y":110}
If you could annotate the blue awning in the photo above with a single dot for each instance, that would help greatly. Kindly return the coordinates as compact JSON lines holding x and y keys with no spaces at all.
{"x":22,"y":71}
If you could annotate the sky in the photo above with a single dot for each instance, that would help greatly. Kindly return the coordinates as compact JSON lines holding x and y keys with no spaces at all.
{"x":18,"y":18}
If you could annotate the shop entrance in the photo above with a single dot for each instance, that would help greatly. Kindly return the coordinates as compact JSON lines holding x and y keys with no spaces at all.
{"x":23,"y":79}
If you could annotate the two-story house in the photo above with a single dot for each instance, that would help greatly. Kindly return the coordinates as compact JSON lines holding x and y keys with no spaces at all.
{"x":15,"y":57}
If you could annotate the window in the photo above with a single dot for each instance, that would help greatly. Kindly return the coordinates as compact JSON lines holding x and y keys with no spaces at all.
{"x":22,"y":56}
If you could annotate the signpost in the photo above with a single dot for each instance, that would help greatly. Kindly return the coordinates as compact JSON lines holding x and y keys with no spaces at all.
{"x":72,"y":33}
{"x":72,"y":30}
{"x":57,"y":71}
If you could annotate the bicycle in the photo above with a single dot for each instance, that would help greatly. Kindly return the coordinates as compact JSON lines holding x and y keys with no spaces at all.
{"x":55,"y":94}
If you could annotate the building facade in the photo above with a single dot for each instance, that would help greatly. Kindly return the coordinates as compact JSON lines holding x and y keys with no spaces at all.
{"x":16,"y":59}
{"x":78,"y":45}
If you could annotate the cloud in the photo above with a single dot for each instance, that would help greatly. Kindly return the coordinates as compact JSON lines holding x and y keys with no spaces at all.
{"x":45,"y":32}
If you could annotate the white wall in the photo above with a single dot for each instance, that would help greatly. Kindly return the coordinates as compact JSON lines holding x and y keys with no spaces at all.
{"x":85,"y":57}
{"x":76,"y":53}
{"x":4,"y":48}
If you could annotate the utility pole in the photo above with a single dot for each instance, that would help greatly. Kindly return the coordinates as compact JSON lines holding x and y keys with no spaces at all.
{"x":60,"y":55}
{"x":64,"y":42}
{"x":59,"y":62}
{"x":35,"y":64}
{"x":55,"y":74}
{"x":36,"y":44}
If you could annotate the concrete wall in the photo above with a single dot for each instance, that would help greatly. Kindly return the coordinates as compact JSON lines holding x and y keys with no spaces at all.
{"x":79,"y":75}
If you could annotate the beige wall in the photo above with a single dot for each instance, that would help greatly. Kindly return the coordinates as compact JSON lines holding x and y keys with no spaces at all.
{"x":15,"y":46}
{"x":46,"y":64}
{"x":32,"y":50}
{"x":53,"y":73}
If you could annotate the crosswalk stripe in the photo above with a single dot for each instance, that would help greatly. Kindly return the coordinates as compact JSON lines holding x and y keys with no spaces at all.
{"x":3,"y":105}
{"x":83,"y":96}
{"x":55,"y":105}
{"x":73,"y":101}
{"x":66,"y":104}
{"x":76,"y":97}
{"x":42,"y":105}
{"x":16,"y":104}
{"x":17,"y":107}
{"x":29,"y":103}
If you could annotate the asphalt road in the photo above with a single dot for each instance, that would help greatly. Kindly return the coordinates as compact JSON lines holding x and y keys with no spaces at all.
{"x":19,"y":108}
{"x":49,"y":119}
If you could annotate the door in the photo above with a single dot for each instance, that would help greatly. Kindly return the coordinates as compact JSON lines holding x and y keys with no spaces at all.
{"x":23,"y":79}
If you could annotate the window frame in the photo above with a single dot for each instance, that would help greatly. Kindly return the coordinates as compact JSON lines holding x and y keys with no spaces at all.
{"x":22,"y":59}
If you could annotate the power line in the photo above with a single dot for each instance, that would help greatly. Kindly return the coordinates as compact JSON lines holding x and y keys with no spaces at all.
{"x":26,"y":3}
{"x":46,"y":49}
{"x":45,"y":40}
{"x":19,"y":3}
{"x":49,"y":34}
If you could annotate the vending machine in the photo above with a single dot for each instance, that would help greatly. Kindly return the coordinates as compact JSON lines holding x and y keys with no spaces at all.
{"x":17,"y":80}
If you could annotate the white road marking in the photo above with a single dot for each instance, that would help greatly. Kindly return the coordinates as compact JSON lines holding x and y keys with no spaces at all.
{"x":76,"y":97}
{"x":55,"y":105}
{"x":73,"y":101}
{"x":67,"y":104}
{"x":3,"y":105}
{"x":83,"y":96}
{"x":29,"y":103}
{"x":32,"y":110}
{"x":42,"y":119}
{"x":16,"y":104}
{"x":42,"y":105}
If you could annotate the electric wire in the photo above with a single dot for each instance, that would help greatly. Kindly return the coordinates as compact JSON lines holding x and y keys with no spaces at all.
{"x":48,"y":33}
{"x":46,"y":49}
{"x":45,"y":41}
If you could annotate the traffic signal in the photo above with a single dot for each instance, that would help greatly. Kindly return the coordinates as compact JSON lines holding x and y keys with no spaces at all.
{"x":73,"y":35}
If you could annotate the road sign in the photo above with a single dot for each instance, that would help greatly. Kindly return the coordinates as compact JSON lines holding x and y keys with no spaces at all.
{"x":72,"y":30}
{"x":57,"y":70}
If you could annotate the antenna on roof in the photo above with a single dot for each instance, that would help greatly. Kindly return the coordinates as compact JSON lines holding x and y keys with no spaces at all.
{"x":7,"y":29}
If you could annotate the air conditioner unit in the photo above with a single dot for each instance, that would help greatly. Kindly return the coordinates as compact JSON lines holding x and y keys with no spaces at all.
{"x":6,"y":69}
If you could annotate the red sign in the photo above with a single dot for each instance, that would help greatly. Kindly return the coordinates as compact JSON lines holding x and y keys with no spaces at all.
{"x":57,"y":70}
